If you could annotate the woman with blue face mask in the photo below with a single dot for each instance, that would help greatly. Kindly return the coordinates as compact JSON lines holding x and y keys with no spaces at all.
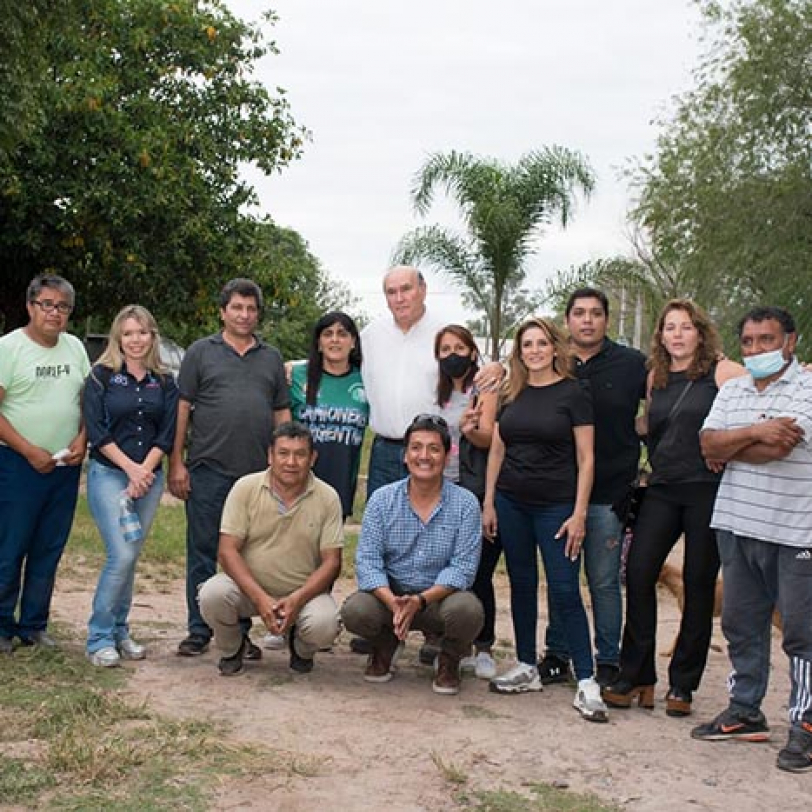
{"x":686,"y":372}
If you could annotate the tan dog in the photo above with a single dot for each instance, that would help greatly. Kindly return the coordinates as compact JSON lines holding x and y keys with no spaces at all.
{"x":671,"y":579}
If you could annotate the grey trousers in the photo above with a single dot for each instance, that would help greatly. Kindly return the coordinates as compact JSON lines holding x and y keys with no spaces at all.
{"x":222,"y":604}
{"x":456,"y":620}
{"x":759,"y":576}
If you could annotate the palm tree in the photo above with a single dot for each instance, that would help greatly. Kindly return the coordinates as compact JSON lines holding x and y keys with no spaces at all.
{"x":504,"y":209}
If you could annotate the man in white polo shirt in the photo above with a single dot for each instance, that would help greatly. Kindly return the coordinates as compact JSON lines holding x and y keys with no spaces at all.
{"x":760,"y":427}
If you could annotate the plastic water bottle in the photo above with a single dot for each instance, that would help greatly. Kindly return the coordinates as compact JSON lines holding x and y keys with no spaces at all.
{"x":128,"y":519}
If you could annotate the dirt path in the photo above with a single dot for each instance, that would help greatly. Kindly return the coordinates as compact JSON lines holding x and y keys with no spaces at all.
{"x":398,"y":746}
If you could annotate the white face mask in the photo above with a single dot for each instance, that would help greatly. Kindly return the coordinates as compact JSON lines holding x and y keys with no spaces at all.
{"x":765,"y":363}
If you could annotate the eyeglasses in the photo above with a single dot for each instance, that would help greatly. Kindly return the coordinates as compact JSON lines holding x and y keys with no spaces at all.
{"x":47,"y":306}
{"x":434,"y":419}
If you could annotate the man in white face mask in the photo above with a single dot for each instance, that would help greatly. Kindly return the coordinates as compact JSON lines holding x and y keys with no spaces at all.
{"x":760,"y":428}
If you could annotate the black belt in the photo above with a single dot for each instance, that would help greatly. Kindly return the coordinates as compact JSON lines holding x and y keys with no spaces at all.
{"x":390,"y":440}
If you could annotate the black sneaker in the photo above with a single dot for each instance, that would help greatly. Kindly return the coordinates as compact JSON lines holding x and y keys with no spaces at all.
{"x":193,"y":646}
{"x":301,"y":665}
{"x":252,"y":651}
{"x":730,"y":724}
{"x":553,"y":669}
{"x":233,"y":665}
{"x":606,"y":674}
{"x":796,"y":757}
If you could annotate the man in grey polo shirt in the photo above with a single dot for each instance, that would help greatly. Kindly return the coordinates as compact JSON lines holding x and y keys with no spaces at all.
{"x":760,"y":427}
{"x":232,"y":393}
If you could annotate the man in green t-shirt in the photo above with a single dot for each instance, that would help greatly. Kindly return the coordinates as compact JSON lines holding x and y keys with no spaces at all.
{"x":42,"y":445}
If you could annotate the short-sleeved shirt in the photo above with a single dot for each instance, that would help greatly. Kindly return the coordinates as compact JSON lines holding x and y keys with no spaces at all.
{"x":233,"y":399}
{"x":771,"y":501}
{"x":135,"y":415}
{"x":400,"y":372}
{"x":540,"y":465}
{"x":282,"y":548}
{"x":399,"y":550}
{"x":617,"y":381}
{"x":42,"y":388}
{"x":337,"y":421}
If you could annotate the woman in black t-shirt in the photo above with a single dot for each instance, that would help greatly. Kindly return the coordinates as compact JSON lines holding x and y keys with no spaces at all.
{"x":685,"y":374}
{"x":540,"y":471}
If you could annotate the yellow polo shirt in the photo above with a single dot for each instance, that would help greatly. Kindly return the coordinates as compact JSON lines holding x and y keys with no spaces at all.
{"x":282,"y":549}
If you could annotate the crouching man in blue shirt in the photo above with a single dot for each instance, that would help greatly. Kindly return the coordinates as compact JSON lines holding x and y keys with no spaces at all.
{"x":416,"y":560}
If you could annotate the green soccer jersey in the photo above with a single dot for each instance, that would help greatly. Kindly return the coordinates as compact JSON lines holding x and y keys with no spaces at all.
{"x":337,"y":422}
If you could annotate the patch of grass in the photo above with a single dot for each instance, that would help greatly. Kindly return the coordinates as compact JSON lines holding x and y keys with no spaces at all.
{"x":450,"y":772}
{"x":545,"y":798}
{"x":21,"y":781}
{"x":89,"y":746}
{"x":478,"y":712}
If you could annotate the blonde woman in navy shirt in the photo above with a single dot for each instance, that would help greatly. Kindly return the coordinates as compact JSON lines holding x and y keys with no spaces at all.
{"x":130,"y":406}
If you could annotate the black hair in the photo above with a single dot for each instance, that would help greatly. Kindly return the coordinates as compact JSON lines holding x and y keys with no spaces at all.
{"x":587,"y":293}
{"x":240,"y":287}
{"x":765,"y":313}
{"x":52,"y":281}
{"x":292,"y":430}
{"x":315,"y":362}
{"x":430,"y":422}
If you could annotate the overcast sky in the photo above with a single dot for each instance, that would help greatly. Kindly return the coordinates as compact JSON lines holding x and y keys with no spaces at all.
{"x":381,"y":85}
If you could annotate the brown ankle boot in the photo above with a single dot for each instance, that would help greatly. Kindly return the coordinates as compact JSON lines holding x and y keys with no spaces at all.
{"x":379,"y":665}
{"x":447,"y":678}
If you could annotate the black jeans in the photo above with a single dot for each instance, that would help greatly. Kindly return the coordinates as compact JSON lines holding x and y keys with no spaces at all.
{"x":669,"y":511}
{"x":483,"y":589}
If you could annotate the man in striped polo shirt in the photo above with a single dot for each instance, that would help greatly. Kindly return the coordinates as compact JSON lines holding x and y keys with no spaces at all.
{"x":760,"y":427}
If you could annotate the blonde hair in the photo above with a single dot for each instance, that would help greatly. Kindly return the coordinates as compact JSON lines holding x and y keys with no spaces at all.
{"x":708,"y":350}
{"x":517,"y":371}
{"x":113,"y":357}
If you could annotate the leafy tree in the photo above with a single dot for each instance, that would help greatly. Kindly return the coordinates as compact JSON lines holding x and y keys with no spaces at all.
{"x":726,"y":200}
{"x":131,"y":186}
{"x":504,"y":209}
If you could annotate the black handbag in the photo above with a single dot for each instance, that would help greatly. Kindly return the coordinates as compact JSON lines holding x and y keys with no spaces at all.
{"x":627,"y":506}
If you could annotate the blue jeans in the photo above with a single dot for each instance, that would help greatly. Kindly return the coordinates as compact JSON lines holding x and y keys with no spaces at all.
{"x":114,"y":592}
{"x":523,"y":528}
{"x":385,"y":464}
{"x":204,"y":509}
{"x":601,"y":550}
{"x":36,"y":514}
{"x":760,"y":576}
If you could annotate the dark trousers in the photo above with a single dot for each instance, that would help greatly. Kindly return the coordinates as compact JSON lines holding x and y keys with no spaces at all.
{"x":204,"y":509}
{"x":36,"y":514}
{"x":483,"y":589}
{"x":759,"y":576}
{"x":668,"y":512}
{"x":385,"y":464}
{"x":525,"y":530}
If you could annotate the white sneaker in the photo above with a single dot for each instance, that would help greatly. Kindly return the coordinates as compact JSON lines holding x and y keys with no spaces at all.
{"x":468,"y":665}
{"x":106,"y":657}
{"x":588,"y":701}
{"x":520,"y":679}
{"x":484,"y":665}
{"x":130,"y":650}
{"x":274,"y":642}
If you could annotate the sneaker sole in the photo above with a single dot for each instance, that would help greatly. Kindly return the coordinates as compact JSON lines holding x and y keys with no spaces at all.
{"x":754,"y":738}
{"x":189,"y":653}
{"x":125,"y":656}
{"x":102,"y":664}
{"x":599,"y":716}
{"x":445,"y":690}
{"x":516,"y":689}
{"x":378,"y":679}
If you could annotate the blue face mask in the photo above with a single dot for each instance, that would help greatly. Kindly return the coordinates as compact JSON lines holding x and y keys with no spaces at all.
{"x":765,"y":364}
